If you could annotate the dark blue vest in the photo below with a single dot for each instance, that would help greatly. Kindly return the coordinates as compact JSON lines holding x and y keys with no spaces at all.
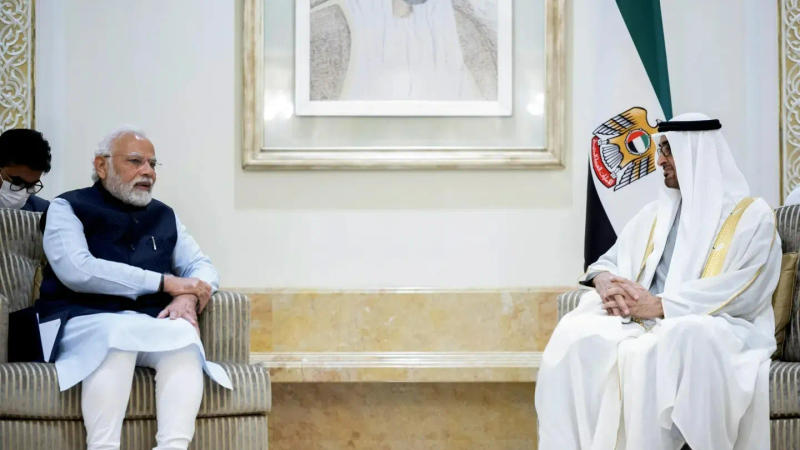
{"x":115,"y":231}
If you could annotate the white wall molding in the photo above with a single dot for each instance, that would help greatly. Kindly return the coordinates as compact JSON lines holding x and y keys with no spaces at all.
{"x":417,"y":367}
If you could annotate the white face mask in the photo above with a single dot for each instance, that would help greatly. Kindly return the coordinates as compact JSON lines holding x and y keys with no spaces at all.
{"x":12,"y":199}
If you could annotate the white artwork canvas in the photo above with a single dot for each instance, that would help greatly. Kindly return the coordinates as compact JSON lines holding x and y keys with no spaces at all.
{"x":403,"y":57}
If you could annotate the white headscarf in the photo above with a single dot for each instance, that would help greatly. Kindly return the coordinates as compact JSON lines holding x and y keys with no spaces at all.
{"x":710,"y":187}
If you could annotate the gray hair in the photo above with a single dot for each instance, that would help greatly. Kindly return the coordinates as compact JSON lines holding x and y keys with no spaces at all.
{"x":104,"y":147}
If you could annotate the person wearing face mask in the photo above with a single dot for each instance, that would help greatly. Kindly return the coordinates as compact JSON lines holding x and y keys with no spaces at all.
{"x":24,"y":157}
{"x":124,"y":287}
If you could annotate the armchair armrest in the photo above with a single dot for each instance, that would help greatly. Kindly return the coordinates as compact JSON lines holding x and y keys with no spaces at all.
{"x":569,"y":300}
{"x":225,"y":328}
{"x":5,"y":309}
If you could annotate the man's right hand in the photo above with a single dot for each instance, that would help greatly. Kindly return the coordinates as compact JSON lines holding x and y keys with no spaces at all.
{"x":615,"y":298}
{"x":176,"y":286}
{"x":183,"y":306}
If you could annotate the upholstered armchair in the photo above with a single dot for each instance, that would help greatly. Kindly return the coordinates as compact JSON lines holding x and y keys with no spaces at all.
{"x":35,"y":415}
{"x":784,"y":374}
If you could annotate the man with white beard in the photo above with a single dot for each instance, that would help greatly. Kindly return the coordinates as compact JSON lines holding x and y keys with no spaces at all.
{"x":673,"y":344}
{"x":124,"y":285}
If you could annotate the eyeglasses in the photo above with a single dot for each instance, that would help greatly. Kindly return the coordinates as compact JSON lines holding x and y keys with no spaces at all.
{"x":664,"y":150}
{"x":137,"y":162}
{"x":18,"y":184}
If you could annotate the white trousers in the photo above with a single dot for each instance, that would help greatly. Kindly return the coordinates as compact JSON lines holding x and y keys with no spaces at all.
{"x":179,"y":390}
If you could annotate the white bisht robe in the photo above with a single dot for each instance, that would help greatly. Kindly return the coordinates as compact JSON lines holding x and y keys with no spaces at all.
{"x":699,"y":375}
{"x":418,"y":57}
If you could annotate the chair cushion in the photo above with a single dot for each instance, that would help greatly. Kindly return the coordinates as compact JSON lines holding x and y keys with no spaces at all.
{"x":211,"y":433}
{"x":788,"y":224}
{"x":784,"y":389}
{"x":782,"y":298}
{"x":21,"y":255}
{"x":30,"y":391}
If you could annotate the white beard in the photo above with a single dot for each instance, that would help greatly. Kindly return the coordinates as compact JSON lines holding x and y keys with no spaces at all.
{"x":127,"y":193}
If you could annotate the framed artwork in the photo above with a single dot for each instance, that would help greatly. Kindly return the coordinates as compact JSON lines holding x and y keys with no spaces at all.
{"x":403,"y":58}
{"x":403,"y":84}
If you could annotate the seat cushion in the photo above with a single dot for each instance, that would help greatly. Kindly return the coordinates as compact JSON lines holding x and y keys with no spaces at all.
{"x":784,"y":389}
{"x":788,"y":224}
{"x":211,"y":433}
{"x":784,"y":433}
{"x":783,"y":298}
{"x":30,"y":390}
{"x":21,"y":255}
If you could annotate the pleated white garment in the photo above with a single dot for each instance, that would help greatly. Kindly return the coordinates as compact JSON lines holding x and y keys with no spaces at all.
{"x":605,"y":384}
{"x":699,"y":375}
{"x":87,"y":340}
{"x":418,"y":57}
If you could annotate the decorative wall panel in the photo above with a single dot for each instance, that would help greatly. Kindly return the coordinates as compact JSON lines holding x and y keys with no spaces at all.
{"x":790,"y":95}
{"x":16,"y":63}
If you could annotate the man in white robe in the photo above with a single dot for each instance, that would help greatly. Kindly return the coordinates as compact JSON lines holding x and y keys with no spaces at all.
{"x":673,"y":344}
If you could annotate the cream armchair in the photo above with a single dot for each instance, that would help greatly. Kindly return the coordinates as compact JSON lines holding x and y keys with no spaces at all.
{"x":35,"y":415}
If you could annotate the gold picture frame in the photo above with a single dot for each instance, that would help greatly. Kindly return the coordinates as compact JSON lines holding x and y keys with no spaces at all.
{"x":258,"y":154}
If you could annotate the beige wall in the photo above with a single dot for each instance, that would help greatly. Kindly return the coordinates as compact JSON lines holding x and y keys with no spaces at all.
{"x":172,"y":68}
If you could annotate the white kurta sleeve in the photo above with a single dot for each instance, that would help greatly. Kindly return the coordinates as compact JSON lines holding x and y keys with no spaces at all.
{"x":189,"y":261}
{"x":68,"y":254}
{"x":750,"y":273}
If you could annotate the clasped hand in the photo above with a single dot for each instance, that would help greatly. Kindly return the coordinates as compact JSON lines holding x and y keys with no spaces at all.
{"x":190,"y":297}
{"x":183,"y":306}
{"x":623,"y":297}
{"x":176,"y":286}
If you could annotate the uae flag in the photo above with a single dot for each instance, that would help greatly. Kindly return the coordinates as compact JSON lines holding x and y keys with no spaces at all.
{"x":631,"y":92}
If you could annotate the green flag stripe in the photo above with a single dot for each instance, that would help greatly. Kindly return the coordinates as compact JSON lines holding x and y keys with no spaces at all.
{"x":643,"y":20}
